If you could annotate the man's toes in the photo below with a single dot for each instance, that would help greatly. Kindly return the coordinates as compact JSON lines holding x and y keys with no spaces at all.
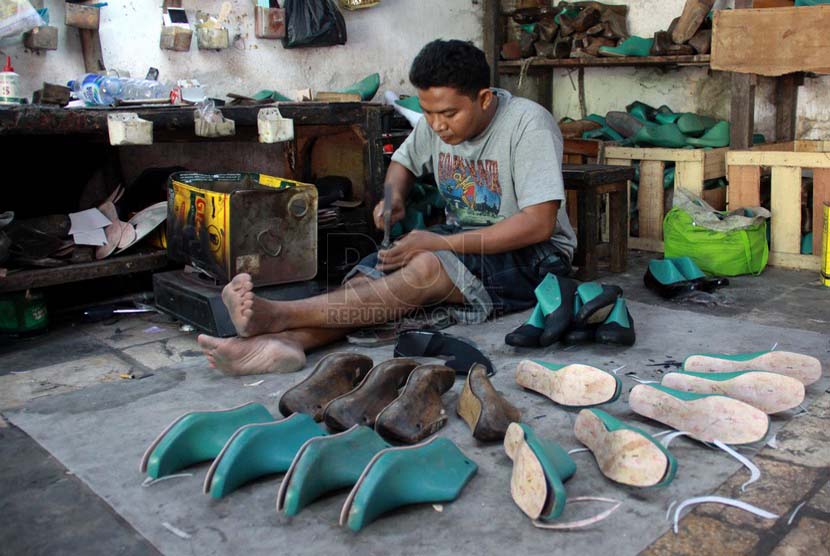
{"x":208,"y":343}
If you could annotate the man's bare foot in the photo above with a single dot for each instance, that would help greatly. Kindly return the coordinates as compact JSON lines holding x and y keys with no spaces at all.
{"x":251,"y":315}
{"x":267,"y":353}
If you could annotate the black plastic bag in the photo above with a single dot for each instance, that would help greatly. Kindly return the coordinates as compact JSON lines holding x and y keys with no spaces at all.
{"x":313,"y":23}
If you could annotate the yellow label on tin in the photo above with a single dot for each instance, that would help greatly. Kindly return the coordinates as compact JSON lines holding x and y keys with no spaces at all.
{"x":271,"y":181}
{"x":207,"y":212}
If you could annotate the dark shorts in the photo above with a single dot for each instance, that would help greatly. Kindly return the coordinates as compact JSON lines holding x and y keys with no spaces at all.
{"x":491,"y":284}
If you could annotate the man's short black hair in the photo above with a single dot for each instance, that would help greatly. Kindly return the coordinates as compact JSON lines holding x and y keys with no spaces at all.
{"x":454,"y":63}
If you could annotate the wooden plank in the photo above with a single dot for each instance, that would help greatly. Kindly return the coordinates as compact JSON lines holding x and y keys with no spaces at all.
{"x":91,"y":50}
{"x":786,"y":106}
{"x":785,"y":206}
{"x":654,"y":153}
{"x":514,"y":66}
{"x":821,"y":195}
{"x":714,"y":163}
{"x":650,"y":198}
{"x":742,"y":111}
{"x":774,"y":158}
{"x":715,"y":197}
{"x":583,"y":147}
{"x":618,"y":230}
{"x":689,"y":176}
{"x":787,"y":146}
{"x":797,"y":262}
{"x":772,"y":42}
{"x":330,"y":96}
{"x":645,"y":244}
{"x":773,"y":3}
{"x":43,"y":277}
{"x":811,"y":146}
{"x":744,"y":187}
{"x":623,"y":162}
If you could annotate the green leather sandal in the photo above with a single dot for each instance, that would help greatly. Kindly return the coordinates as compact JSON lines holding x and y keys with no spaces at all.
{"x":551,"y":316}
{"x":325,"y":464}
{"x":716,"y":136}
{"x":769,"y":392}
{"x":573,"y":385}
{"x":805,"y":368}
{"x":642,"y":111}
{"x":663,"y":277}
{"x":690,"y":271}
{"x":196,"y":437}
{"x":666,"y":115}
{"x":528,"y":334}
{"x":625,"y":454}
{"x":257,"y":450}
{"x":618,"y":328}
{"x":540,"y":469}
{"x":705,"y":417}
{"x":432,"y":472}
{"x":367,"y":87}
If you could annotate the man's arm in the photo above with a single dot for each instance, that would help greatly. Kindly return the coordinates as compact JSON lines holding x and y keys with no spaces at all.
{"x":530,"y":225}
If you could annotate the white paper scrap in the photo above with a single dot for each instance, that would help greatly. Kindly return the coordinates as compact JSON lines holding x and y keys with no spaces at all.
{"x":86,"y":220}
{"x":90,"y":237}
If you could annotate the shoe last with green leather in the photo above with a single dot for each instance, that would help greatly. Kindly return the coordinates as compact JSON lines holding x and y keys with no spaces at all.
{"x":618,"y":328}
{"x":257,"y":450}
{"x":661,"y":135}
{"x":595,"y":302}
{"x":432,"y":472}
{"x":325,"y":464}
{"x":196,"y":437}
{"x":717,"y":136}
{"x":694,"y":125}
{"x":632,"y":46}
{"x":366,"y":87}
{"x":664,"y":278}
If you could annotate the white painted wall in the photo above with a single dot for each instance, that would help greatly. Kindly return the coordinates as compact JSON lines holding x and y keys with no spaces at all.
{"x":687,"y":89}
{"x":383,"y":39}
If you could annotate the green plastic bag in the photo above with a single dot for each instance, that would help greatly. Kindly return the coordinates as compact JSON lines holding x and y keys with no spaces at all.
{"x":723,"y":253}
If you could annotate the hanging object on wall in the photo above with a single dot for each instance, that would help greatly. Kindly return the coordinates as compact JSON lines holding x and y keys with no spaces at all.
{"x":269,"y":20}
{"x":176,"y":33}
{"x":358,"y":4}
{"x":211,"y":31}
{"x":313,"y":23}
{"x":272,"y":127}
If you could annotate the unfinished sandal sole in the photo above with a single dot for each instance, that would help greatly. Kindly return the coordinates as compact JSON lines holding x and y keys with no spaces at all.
{"x":528,"y":485}
{"x":483,"y":408}
{"x":805,"y":368}
{"x":769,"y":392}
{"x":623,"y":455}
{"x":704,"y":417}
{"x":572,"y":385}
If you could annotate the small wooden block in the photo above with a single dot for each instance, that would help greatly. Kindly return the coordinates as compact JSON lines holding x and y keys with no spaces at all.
{"x":208,"y":38}
{"x":126,"y":128}
{"x":176,"y":38}
{"x":337,"y":97}
{"x":82,"y":17}
{"x":54,"y":94}
{"x":41,"y":38}
{"x":269,"y":23}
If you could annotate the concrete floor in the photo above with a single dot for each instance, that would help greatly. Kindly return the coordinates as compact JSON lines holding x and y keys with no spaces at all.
{"x":64,"y":390}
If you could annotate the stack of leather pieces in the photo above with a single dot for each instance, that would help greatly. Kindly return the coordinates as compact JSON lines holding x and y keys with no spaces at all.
{"x":688,"y":34}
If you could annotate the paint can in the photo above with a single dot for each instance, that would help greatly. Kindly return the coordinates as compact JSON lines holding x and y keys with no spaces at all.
{"x":825,"y":244}
{"x":9,"y":84}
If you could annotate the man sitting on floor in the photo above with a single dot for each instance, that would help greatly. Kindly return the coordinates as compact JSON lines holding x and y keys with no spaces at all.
{"x":497,"y":162}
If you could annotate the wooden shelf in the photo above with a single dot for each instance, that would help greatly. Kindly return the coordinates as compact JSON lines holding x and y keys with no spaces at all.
{"x":539,"y":64}
{"x":42,"y":277}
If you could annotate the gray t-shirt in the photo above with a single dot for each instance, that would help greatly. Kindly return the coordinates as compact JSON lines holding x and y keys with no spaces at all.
{"x":515,"y":163}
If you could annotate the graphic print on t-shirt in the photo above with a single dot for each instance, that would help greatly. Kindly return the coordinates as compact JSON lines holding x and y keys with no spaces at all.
{"x":470,"y":188}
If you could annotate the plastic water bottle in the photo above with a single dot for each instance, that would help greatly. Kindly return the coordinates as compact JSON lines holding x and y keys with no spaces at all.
{"x":105,"y":90}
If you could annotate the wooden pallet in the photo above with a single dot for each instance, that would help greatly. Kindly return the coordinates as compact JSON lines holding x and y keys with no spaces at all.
{"x":786,"y":160}
{"x":692,"y":168}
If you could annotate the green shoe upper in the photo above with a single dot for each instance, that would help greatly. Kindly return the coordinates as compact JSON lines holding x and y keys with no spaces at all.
{"x":557,"y":466}
{"x":197,"y":437}
{"x":665,"y":272}
{"x":641,"y":110}
{"x":258,"y":450}
{"x":687,"y":268}
{"x":613,"y":424}
{"x":268,"y":94}
{"x":549,"y":294}
{"x":596,"y":118}
{"x":717,"y":136}
{"x":619,"y":314}
{"x":692,"y":124}
{"x":666,"y":115}
{"x":537,"y":317}
{"x":366,"y":87}
{"x":680,"y":395}
{"x":435,"y":471}
{"x":327,"y":463}
{"x":735,"y":357}
{"x":718,"y":377}
{"x":411,"y":103}
{"x":632,"y":46}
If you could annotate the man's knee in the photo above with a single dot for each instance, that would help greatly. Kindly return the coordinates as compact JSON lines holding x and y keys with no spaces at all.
{"x":425,"y":268}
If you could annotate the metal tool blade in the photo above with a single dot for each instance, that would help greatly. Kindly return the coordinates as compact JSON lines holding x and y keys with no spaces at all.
{"x":387,"y":215}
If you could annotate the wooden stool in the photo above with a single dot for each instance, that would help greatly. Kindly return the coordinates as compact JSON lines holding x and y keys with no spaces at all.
{"x":591,"y":181}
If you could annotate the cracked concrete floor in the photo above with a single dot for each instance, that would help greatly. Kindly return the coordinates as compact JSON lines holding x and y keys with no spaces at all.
{"x":66,"y":388}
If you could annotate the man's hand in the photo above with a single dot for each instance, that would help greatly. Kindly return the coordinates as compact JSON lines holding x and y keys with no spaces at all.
{"x":407,"y":247}
{"x":398,"y":212}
